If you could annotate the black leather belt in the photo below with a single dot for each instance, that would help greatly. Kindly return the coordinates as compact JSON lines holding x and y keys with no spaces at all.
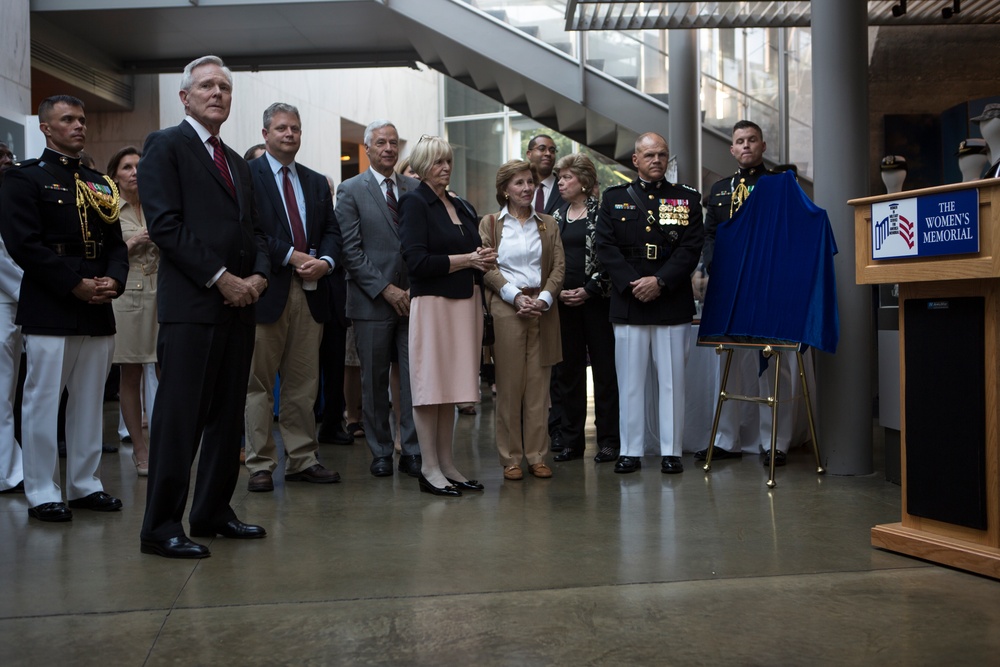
{"x":86,"y":249}
{"x":647,"y":251}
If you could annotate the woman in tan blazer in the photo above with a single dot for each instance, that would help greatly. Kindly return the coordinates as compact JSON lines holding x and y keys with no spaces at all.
{"x":522,"y":294}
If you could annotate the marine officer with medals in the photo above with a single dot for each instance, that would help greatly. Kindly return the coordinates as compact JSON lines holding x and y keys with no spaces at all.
{"x":59,"y":221}
{"x":649,"y":239}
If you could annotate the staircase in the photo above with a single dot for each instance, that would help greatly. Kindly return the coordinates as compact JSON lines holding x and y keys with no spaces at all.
{"x":542,"y":81}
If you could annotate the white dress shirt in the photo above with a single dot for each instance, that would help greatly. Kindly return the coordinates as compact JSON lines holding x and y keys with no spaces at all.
{"x":519,"y":256}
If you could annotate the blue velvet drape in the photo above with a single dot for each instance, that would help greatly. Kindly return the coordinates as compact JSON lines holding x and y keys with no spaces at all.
{"x":772,"y":275}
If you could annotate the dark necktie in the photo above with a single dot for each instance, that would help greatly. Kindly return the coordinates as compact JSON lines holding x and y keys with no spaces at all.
{"x":223,"y":167}
{"x":540,"y":199}
{"x":390,"y":199}
{"x":292,"y":207}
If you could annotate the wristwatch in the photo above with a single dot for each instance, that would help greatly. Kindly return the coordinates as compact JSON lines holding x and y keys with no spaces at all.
{"x":659,"y":281}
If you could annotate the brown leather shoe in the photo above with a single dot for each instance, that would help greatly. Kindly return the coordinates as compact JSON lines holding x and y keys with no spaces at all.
{"x":540,"y":470}
{"x":316,"y":474}
{"x":260,"y":481}
{"x":513,"y":472}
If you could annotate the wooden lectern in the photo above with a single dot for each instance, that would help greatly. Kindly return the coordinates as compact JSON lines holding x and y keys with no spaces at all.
{"x":949,"y":334}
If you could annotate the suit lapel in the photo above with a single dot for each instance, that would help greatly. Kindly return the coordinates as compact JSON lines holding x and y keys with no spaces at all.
{"x":376,"y":192}
{"x":201,"y":155}
{"x":271,"y":189}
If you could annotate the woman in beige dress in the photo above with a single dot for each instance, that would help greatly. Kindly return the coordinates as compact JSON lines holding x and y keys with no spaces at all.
{"x":523,"y":289}
{"x":135,"y":309}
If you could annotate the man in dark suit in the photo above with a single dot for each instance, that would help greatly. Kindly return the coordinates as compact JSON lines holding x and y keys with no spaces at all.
{"x":378,"y":297}
{"x":60,"y":225}
{"x":649,"y":238}
{"x":296,"y":209}
{"x":197,"y":196}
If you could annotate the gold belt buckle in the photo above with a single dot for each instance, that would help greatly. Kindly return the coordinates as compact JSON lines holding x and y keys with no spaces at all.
{"x":90,"y":249}
{"x":651,"y":251}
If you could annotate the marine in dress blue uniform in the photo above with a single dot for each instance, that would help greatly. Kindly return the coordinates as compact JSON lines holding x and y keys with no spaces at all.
{"x":649,"y":239}
{"x":60,"y":224}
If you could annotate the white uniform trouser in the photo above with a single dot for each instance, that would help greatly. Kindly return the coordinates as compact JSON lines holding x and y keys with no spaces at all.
{"x":81,"y":365}
{"x":148,"y":391}
{"x":739,"y":422}
{"x":664,"y":348}
{"x":11,"y":472}
{"x":743,"y":379}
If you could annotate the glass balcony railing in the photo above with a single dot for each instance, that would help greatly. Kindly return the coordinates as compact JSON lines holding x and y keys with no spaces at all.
{"x":740,"y":69}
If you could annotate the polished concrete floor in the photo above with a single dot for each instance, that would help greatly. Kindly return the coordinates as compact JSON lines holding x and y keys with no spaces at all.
{"x":586,"y":568}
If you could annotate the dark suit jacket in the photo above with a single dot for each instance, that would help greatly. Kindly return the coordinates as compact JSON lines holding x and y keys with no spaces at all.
{"x":42,"y":230}
{"x":322,"y":235}
{"x":198,"y":231}
{"x":555,"y":201}
{"x":427,"y":236}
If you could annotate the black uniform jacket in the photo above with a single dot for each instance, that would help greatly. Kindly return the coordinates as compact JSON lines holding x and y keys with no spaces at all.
{"x":662,"y":238}
{"x":43,"y":231}
{"x":720,"y":204}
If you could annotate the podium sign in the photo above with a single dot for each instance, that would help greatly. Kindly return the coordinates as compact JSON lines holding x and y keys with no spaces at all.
{"x":926,"y":226}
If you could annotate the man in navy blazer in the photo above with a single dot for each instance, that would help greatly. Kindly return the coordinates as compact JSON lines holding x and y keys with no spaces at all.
{"x":296,"y":209}
{"x":198,"y":199}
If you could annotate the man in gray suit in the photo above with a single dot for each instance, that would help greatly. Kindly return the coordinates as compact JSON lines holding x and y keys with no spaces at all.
{"x":378,"y":298}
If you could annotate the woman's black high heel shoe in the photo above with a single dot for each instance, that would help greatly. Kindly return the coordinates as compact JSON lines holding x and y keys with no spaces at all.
{"x":427,"y":487}
{"x":471,"y":485}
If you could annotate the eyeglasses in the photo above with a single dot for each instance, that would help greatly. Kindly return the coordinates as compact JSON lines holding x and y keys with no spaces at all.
{"x":545,"y":149}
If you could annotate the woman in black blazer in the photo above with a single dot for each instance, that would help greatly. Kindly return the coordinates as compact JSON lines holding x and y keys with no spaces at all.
{"x":441,"y":245}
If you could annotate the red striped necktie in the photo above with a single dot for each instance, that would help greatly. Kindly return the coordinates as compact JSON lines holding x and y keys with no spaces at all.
{"x":390,"y":199}
{"x":222,"y":165}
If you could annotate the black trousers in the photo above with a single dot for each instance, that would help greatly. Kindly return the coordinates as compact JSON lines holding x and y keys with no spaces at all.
{"x":200,"y":401}
{"x":331,"y":363}
{"x":586,"y":329}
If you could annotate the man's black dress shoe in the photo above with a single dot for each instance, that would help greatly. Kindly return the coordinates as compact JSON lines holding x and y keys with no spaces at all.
{"x":382,"y":466}
{"x":471,"y":485}
{"x":779,"y":458}
{"x":175,"y":547}
{"x":50,"y":512}
{"x":718,"y":454}
{"x":628,"y":464}
{"x":108,"y":449}
{"x":97,"y":501}
{"x":234,"y":529}
{"x":607,"y":454}
{"x":17,"y":488}
{"x":410,"y":464}
{"x":427,"y":487}
{"x":557,"y":442}
{"x":671,"y":465}
{"x":568,"y":454}
{"x":334,"y":435}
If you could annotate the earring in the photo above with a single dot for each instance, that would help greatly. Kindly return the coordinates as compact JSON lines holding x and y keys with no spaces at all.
{"x":505,"y":196}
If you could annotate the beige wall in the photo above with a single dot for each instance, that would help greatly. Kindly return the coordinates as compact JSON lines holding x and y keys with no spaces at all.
{"x":15,"y":64}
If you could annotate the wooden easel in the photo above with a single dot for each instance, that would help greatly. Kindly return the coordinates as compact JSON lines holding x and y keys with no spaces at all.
{"x":770,"y":348}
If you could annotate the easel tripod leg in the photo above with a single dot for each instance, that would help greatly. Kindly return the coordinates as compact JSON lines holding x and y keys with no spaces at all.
{"x":718,"y":406}
{"x":809,"y":412}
